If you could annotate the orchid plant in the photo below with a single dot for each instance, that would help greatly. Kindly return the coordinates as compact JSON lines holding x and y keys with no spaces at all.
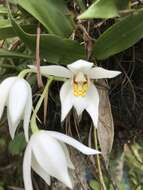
{"x":78,"y":91}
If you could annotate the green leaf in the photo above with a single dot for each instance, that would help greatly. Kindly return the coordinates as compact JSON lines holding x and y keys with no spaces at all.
{"x":6,"y":53}
{"x":52,"y":47}
{"x":17,"y":145}
{"x":3,"y":10}
{"x":4,"y":23}
{"x":120,"y":36}
{"x":15,"y":2}
{"x":7,"y":31}
{"x":100,"y":9}
{"x":94,"y":184}
{"x":1,"y":188}
{"x":122,"y":4}
{"x":122,"y":186}
{"x":52,"y":14}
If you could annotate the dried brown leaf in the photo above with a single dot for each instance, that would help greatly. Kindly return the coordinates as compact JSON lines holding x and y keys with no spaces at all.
{"x":105,"y":125}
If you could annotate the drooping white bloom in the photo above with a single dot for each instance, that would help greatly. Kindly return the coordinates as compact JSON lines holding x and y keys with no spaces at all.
{"x":15,"y":93}
{"x":79,"y":91}
{"x":48,"y":156}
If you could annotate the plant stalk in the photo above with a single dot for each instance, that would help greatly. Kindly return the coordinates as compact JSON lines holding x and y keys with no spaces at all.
{"x":33,"y":122}
{"x":103,"y":186}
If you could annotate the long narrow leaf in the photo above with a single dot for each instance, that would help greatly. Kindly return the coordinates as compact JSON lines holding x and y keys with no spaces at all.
{"x":6,"y":53}
{"x":52,"y":14}
{"x":101,"y":9}
{"x":8,"y":31}
{"x":52,"y":47}
{"x":120,"y":36}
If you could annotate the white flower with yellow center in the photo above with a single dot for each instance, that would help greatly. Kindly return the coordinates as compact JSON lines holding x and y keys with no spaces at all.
{"x":48,"y":156}
{"x":79,"y":91}
{"x":15,"y":93}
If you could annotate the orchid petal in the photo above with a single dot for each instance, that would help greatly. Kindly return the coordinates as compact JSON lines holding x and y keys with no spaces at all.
{"x":93,"y":104}
{"x":12,"y":128}
{"x":27,"y":168}
{"x":69,"y":162}
{"x":80,"y":65}
{"x":100,"y":73}
{"x":66,"y":99}
{"x":47,"y":158}
{"x":18,"y":96}
{"x":27,"y":112}
{"x":69,"y":140}
{"x":42,"y":173}
{"x":4,"y":92}
{"x":79,"y":103}
{"x":54,"y":70}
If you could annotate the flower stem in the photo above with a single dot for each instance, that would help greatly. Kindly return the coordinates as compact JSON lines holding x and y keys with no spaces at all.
{"x":98,"y":163}
{"x":23,"y":73}
{"x":59,"y":78}
{"x":33,"y":122}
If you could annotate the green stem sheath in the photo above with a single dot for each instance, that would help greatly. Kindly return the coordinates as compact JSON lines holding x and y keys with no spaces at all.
{"x":33,"y":123}
{"x":23,"y":73}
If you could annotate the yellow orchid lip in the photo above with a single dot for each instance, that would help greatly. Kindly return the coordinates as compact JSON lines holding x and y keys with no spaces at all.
{"x":80,"y":88}
{"x":80,"y":84}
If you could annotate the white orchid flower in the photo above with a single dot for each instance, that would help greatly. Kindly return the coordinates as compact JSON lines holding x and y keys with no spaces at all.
{"x":15,"y":93}
{"x":79,"y":91}
{"x":48,"y":156}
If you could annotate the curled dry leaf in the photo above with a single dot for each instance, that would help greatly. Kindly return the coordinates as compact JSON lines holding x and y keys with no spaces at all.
{"x":105,"y":128}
